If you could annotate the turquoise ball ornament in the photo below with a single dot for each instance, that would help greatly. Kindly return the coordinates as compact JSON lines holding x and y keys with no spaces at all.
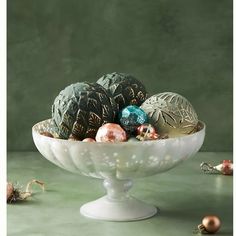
{"x":131,"y":117}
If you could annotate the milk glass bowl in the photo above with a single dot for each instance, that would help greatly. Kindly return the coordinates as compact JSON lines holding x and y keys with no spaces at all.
{"x":117,"y":164}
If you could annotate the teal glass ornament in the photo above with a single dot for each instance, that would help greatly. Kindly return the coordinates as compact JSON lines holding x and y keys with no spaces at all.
{"x":131,"y":117}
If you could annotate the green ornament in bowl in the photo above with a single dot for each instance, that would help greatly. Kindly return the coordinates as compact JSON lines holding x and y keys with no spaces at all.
{"x":124,"y":88}
{"x":80,"y":109}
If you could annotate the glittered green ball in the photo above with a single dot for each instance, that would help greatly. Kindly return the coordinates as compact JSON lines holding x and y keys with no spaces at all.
{"x":80,"y":109}
{"x":124,"y":88}
{"x":131,"y":117}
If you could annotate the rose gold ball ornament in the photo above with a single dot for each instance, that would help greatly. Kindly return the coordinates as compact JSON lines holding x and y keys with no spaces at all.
{"x":146,"y":132}
{"x":225,"y":167}
{"x":89,"y":140}
{"x":210,"y":224}
{"x":111,"y":132}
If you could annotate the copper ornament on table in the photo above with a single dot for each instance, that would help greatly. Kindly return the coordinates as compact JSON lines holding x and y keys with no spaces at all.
{"x":111,"y":132}
{"x":146,"y":132}
{"x":210,"y":225}
{"x":225,"y":168}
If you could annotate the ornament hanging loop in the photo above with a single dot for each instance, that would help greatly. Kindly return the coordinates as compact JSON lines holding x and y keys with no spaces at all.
{"x":208,"y":168}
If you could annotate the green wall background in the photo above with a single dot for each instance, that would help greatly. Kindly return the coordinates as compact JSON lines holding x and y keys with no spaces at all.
{"x":183,"y":46}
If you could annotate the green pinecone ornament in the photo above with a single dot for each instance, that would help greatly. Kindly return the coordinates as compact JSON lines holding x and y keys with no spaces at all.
{"x":80,"y":109}
{"x":124,"y":88}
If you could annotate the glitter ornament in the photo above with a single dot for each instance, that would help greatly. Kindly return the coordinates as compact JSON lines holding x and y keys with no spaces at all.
{"x":171,"y":114}
{"x":146,"y":132}
{"x":124,"y":88}
{"x":132,"y":117}
{"x":111,"y":132}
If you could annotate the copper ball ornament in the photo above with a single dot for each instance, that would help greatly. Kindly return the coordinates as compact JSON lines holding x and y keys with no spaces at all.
{"x":227,"y":167}
{"x":111,"y":132}
{"x":211,"y":223}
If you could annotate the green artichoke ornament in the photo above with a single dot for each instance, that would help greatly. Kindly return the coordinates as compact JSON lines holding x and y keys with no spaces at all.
{"x":80,"y":109}
{"x":124,"y":88}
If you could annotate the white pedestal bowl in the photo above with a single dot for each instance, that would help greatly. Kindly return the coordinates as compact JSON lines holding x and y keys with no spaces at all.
{"x":117,"y":164}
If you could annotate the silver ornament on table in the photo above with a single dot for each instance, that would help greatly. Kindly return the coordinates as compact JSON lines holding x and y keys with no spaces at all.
{"x":171,"y":113}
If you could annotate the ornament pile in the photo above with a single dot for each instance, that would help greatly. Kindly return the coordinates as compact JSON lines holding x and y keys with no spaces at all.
{"x":117,"y":109}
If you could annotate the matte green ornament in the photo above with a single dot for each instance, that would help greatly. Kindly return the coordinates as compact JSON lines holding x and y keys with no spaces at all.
{"x":124,"y":88}
{"x":171,"y":114}
{"x":80,"y":109}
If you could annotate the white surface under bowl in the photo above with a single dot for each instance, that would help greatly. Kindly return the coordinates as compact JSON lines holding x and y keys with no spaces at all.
{"x":118,"y":164}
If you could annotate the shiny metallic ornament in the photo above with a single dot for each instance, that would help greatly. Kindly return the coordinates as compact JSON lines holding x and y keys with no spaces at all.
{"x":146,"y":132}
{"x":131,"y":117}
{"x":225,"y":168}
{"x":210,"y":225}
{"x":171,"y":114}
{"x":111,"y":132}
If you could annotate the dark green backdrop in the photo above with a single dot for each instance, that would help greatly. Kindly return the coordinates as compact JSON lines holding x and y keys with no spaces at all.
{"x":180,"y":46}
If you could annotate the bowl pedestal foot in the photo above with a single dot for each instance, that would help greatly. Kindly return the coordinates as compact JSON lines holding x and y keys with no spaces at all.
{"x":118,"y":205}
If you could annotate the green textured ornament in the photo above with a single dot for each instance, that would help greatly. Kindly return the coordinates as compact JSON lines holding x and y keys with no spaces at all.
{"x":171,"y":114}
{"x":124,"y":88}
{"x":80,"y":109}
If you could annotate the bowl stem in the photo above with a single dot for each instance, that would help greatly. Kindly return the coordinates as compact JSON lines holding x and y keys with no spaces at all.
{"x":117,"y":189}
